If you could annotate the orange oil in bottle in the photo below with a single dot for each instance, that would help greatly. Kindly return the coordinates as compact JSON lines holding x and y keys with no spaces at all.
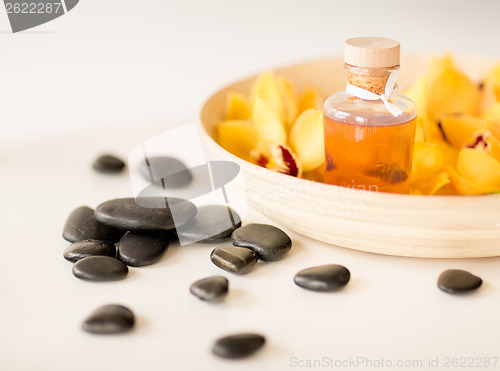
{"x":375,"y":158}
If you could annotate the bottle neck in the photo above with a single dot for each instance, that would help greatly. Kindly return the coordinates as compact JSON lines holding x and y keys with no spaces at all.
{"x":371,"y":79}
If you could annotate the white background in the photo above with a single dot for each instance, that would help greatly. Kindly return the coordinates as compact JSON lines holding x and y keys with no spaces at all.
{"x":111,"y":74}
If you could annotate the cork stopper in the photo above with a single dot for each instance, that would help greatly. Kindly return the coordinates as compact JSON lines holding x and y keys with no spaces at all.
{"x":375,"y":84}
{"x":372,"y":52}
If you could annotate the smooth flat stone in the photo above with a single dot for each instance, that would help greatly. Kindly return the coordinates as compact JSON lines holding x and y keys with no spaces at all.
{"x":239,"y":345}
{"x":268,"y":242}
{"x":210,"y":289}
{"x":454,"y":281}
{"x":82,"y":249}
{"x":234,"y":259}
{"x":109,"y":319}
{"x":140,"y":249}
{"x":108,"y":164}
{"x":212,"y":223}
{"x":172,"y":170}
{"x":153,"y":213}
{"x":323,"y":278}
{"x":81,"y":224}
{"x":100,"y":268}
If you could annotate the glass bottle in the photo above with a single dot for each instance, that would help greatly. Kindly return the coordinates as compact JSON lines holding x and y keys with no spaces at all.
{"x":369,"y":141}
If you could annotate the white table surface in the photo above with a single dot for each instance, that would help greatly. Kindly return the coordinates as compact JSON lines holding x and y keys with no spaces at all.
{"x":108,"y":76}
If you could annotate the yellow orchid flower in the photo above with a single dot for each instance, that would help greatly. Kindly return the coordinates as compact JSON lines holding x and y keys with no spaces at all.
{"x":462,"y":130}
{"x":238,"y":137}
{"x":267,"y":89}
{"x":268,"y":125}
{"x":290,"y":101}
{"x":307,"y":139}
{"x":479,"y":167}
{"x":493,"y":126}
{"x":431,"y":185}
{"x":427,"y":161}
{"x":446,"y":81}
{"x":237,"y":107}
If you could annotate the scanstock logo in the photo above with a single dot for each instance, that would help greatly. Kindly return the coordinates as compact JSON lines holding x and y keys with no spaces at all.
{"x":25,"y":14}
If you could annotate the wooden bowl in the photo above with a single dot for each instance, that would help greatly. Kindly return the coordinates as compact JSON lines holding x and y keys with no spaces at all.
{"x":405,"y":225}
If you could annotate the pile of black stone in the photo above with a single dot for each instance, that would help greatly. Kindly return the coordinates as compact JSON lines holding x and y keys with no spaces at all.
{"x":136,"y":232}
